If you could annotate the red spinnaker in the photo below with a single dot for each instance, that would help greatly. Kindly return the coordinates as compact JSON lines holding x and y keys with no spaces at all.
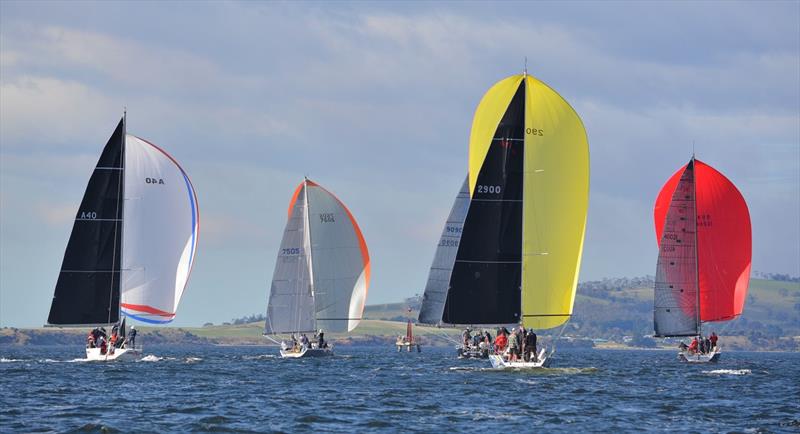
{"x":724,"y":240}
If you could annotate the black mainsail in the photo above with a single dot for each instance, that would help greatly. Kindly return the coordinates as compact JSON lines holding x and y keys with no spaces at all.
{"x":486,"y":278}
{"x":88,"y":287}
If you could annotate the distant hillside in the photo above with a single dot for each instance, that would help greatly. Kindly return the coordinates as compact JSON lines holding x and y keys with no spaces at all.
{"x":611,"y":312}
{"x":621,"y":310}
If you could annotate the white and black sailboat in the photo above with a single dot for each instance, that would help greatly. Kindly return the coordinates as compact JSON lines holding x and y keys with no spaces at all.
{"x":321,"y":273}
{"x":132,"y":244}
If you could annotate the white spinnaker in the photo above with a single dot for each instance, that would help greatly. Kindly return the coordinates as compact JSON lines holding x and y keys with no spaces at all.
{"x":340,"y":262}
{"x":291,"y":302}
{"x":160,"y":229}
{"x":435,"y":295}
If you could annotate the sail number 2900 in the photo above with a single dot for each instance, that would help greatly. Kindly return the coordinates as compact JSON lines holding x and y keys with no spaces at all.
{"x":491,"y":189}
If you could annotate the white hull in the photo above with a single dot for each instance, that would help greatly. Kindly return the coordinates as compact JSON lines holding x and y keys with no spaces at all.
{"x":498,"y":362}
{"x":307,"y":352}
{"x":713,"y":356}
{"x":94,"y":355}
{"x":408,"y":346}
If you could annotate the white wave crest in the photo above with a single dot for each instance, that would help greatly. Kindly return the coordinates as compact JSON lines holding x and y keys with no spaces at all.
{"x":260,"y":357}
{"x":4,"y":360}
{"x":151,"y":358}
{"x":728,"y":372}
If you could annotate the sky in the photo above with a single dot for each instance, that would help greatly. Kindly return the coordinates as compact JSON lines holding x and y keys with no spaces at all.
{"x":374,"y":101}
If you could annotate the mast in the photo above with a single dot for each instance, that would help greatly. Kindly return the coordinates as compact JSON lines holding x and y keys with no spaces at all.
{"x":696,"y":252}
{"x":307,"y":230}
{"x":122,"y":201}
{"x":118,"y":220}
{"x":522,"y":195}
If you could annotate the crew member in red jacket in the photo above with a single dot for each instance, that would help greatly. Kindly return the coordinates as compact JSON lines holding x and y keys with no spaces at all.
{"x":693,"y":346}
{"x":500,"y":343}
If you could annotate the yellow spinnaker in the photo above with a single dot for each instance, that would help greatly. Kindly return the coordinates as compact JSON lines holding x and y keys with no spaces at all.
{"x":490,"y":111}
{"x":555,"y":204}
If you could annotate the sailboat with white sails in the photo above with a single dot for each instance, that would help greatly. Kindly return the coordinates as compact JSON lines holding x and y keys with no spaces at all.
{"x":510,"y":251}
{"x":321,"y":273}
{"x":132,"y":246}
{"x":704,"y":255}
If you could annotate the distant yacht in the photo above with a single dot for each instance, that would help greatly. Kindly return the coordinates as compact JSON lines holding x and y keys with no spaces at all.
{"x":510,"y":251}
{"x":704,"y":254}
{"x":132,"y":245}
{"x":321,"y":273}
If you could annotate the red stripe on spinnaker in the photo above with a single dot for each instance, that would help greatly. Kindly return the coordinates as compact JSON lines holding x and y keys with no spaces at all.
{"x":146,"y":309}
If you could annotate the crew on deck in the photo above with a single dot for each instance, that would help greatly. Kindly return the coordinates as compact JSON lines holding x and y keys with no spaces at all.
{"x":321,"y":339}
{"x":131,"y":338}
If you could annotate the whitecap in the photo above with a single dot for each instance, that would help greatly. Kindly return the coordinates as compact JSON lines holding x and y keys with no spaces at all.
{"x":260,"y":357}
{"x":4,"y":360}
{"x":193,"y":359}
{"x":728,"y":372}
{"x":150,"y":358}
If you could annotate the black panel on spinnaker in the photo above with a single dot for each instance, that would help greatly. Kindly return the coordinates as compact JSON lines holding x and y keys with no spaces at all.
{"x":87,"y":291}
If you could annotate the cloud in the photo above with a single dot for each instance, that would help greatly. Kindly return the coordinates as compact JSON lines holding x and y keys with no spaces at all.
{"x":375,"y":101}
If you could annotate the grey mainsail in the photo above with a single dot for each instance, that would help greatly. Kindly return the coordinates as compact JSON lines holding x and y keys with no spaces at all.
{"x":676,"y":297}
{"x":291,"y":299}
{"x":435,"y":295}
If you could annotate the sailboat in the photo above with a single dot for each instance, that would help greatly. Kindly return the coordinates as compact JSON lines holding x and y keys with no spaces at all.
{"x":132,"y":245}
{"x":510,"y":251}
{"x":704,"y":254}
{"x":321,"y":273}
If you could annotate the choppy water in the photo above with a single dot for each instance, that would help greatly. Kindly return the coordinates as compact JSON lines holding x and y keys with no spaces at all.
{"x":249,"y":389}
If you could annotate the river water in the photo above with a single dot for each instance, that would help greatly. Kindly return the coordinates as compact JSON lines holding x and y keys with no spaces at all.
{"x":375,"y":389}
